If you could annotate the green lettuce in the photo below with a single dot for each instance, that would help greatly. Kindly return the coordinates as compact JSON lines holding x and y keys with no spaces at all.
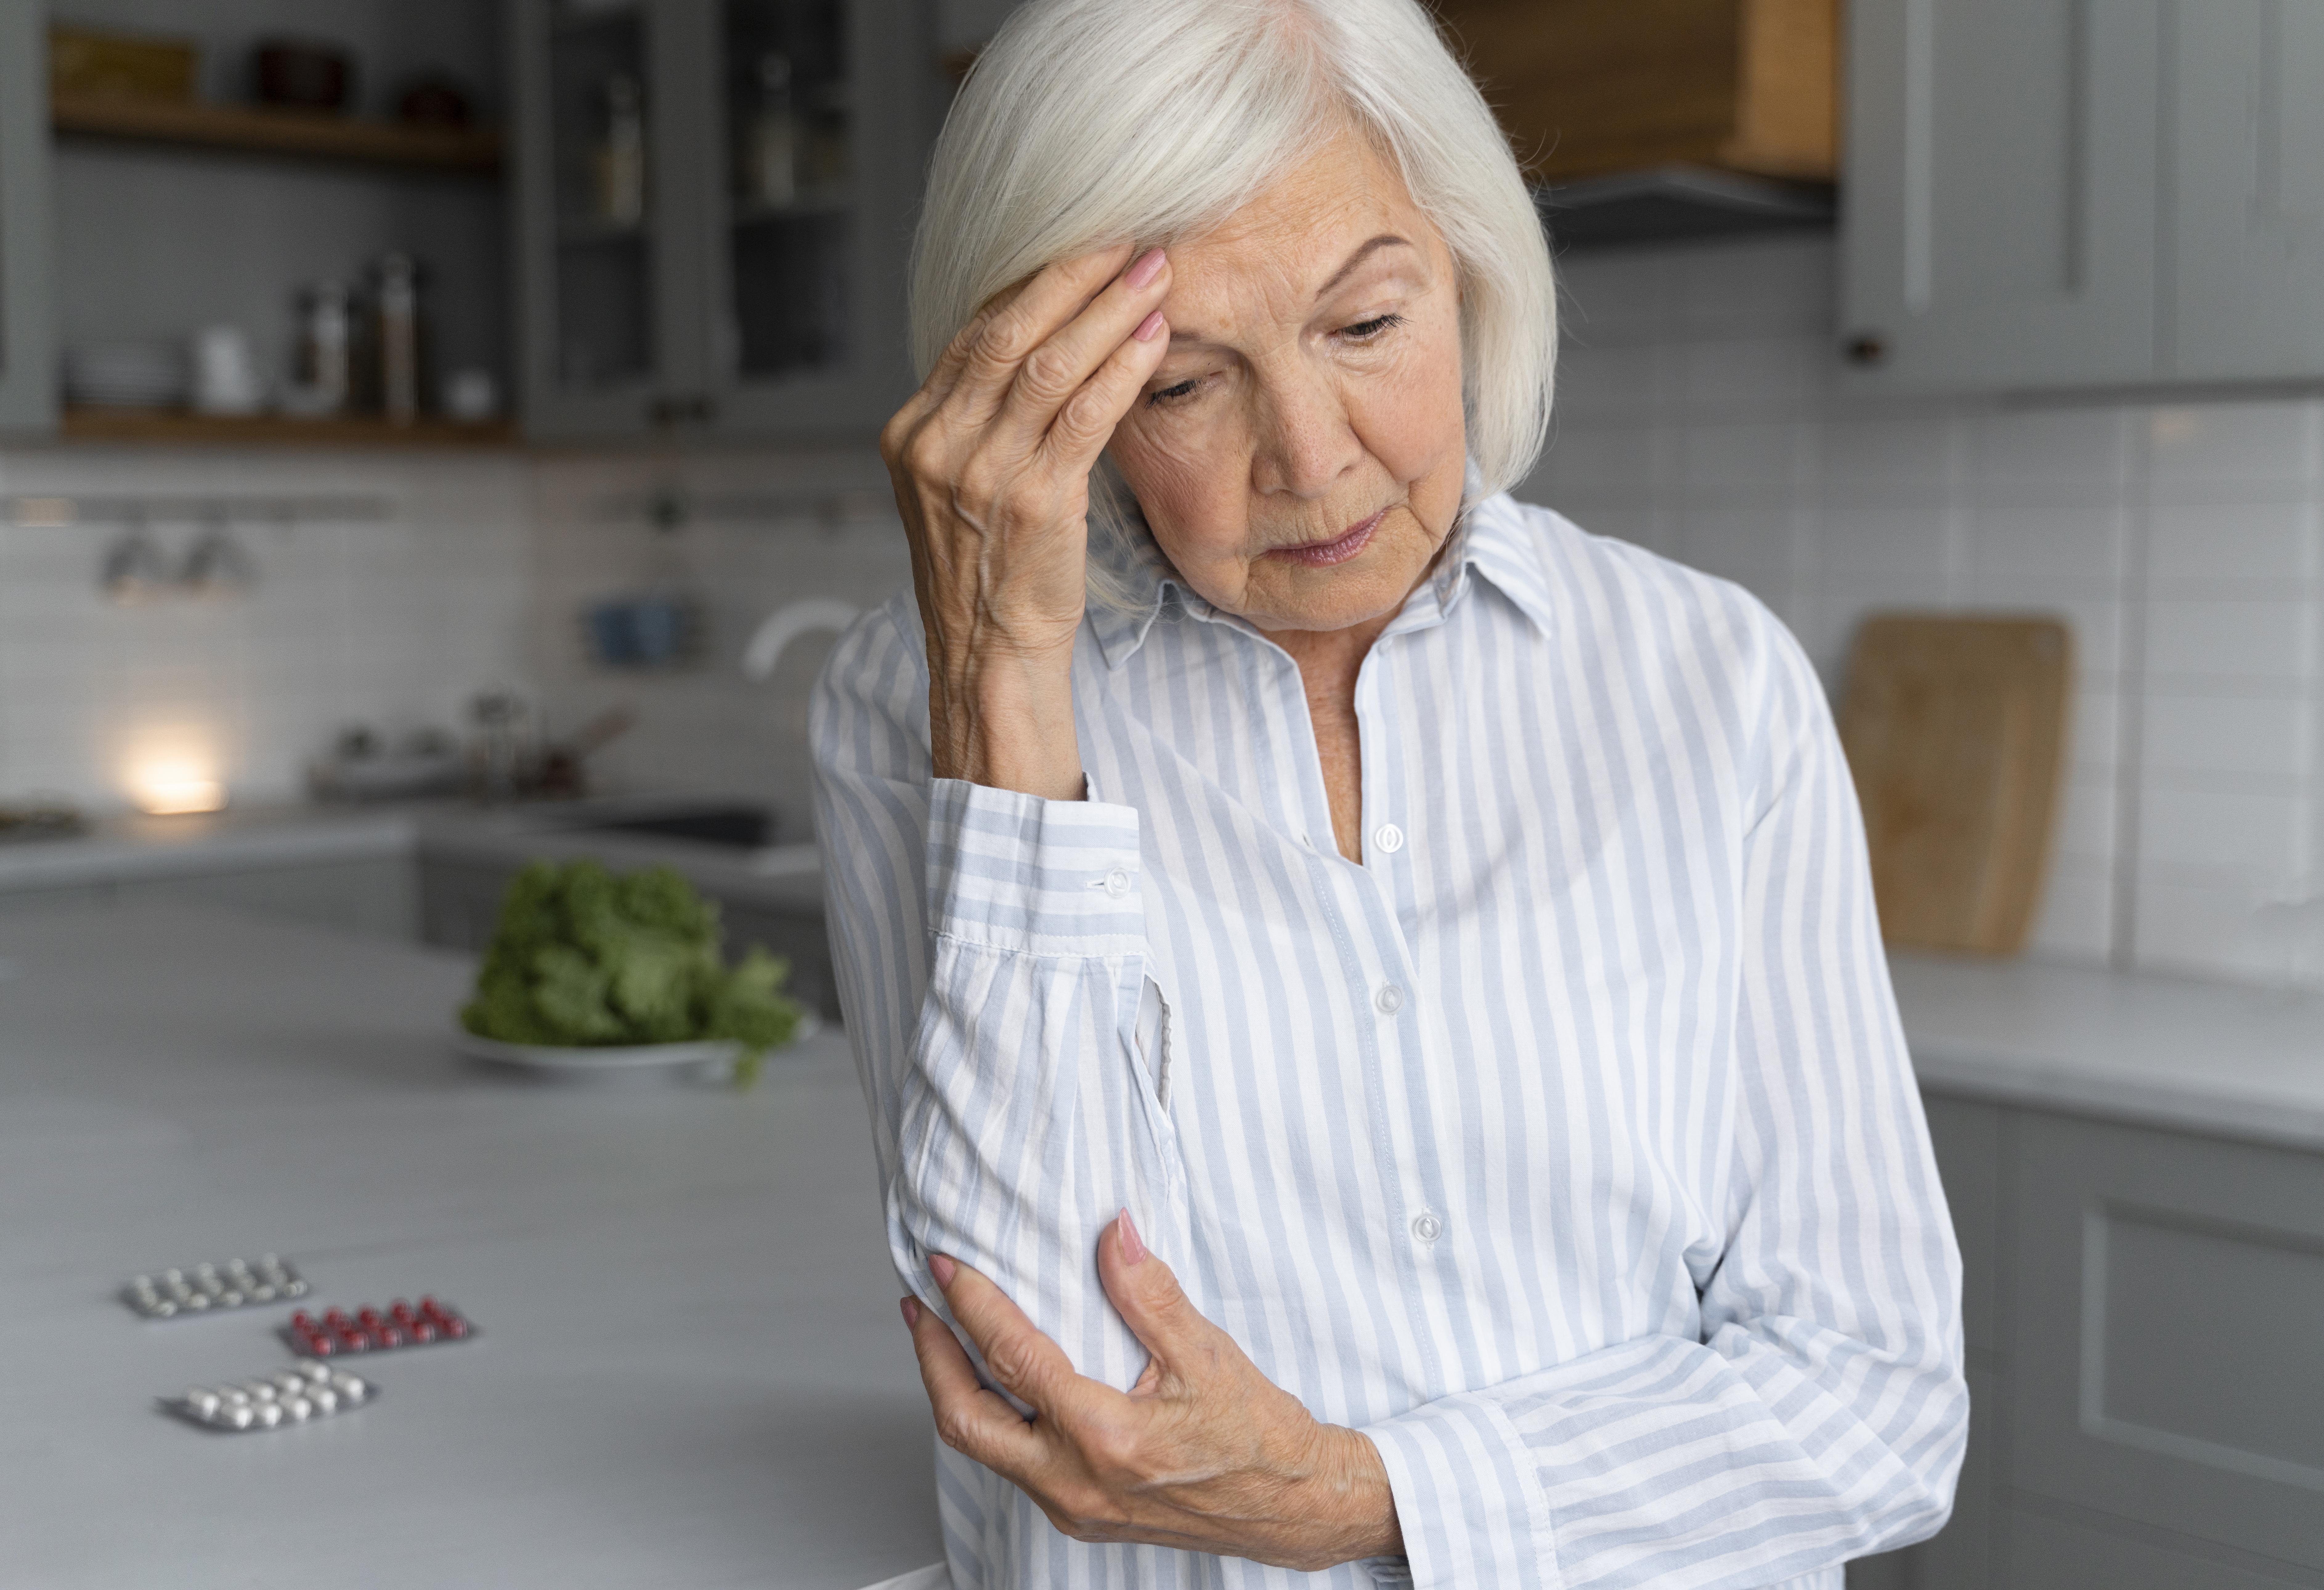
{"x":585,"y":958}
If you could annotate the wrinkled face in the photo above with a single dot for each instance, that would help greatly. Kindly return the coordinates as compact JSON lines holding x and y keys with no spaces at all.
{"x":1300,"y":453}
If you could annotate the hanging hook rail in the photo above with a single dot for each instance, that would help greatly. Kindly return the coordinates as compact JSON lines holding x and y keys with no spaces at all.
{"x":59,"y":509}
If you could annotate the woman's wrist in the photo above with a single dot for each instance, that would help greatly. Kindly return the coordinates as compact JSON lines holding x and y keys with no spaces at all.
{"x":1005,"y":720}
{"x":1353,"y":1489}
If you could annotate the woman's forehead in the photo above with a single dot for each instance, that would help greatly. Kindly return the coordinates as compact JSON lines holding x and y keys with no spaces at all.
{"x":1338,"y":216}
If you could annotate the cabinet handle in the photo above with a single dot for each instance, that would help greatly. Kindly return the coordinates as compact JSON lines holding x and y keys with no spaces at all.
{"x":1868,"y":348}
{"x":667,"y":412}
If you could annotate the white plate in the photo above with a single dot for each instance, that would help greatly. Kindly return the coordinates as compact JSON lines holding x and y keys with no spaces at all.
{"x":714,"y":1060}
{"x":700,"y":1059}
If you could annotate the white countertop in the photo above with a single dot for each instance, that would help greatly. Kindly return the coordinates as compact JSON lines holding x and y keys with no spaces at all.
{"x":691,"y":1372}
{"x":129,"y":849}
{"x":2211,"y":1057}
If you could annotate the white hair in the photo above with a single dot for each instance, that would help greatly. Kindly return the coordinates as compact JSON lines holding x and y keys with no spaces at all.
{"x":1089,"y":123}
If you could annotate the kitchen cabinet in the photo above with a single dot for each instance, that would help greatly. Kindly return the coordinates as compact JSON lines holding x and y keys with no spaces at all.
{"x":714,"y":206}
{"x":2141,"y":1307}
{"x":2054,"y":194}
{"x":27,"y":319}
{"x":2246,"y":249}
{"x":2001,"y":193}
{"x":1593,"y":87}
{"x":374,"y":897}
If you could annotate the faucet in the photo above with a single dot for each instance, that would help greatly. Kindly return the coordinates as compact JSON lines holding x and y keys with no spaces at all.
{"x":778,"y":629}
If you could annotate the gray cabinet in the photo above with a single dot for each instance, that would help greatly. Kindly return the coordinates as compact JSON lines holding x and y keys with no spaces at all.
{"x":714,"y":206}
{"x":1999,"y":216}
{"x":2066,"y":193}
{"x":28,"y":385}
{"x":374,"y":896}
{"x":2143,"y":1311}
{"x":2169,"y":1307}
{"x":2246,"y":249}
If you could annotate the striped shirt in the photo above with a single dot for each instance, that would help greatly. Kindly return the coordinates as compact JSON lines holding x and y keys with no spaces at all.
{"x":1566,"y":1145}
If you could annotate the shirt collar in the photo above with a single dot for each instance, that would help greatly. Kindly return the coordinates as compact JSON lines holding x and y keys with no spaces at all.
{"x":1490,"y":540}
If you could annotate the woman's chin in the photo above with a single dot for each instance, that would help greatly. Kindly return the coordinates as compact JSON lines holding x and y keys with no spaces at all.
{"x":1288,"y":596}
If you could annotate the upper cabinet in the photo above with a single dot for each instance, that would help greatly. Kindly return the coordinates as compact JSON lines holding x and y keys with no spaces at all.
{"x":1601,"y":87}
{"x":2061,"y":193}
{"x":715,"y":201}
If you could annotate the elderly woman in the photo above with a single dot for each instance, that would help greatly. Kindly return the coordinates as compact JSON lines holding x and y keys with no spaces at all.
{"x":1370,"y":996}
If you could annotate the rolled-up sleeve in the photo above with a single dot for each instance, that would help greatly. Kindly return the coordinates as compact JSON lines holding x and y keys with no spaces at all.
{"x":1821,"y":1416}
{"x":991,"y":958}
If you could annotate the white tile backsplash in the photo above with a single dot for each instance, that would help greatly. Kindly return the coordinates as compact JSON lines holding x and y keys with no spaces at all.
{"x":1697,"y":415}
{"x":2183,"y":542}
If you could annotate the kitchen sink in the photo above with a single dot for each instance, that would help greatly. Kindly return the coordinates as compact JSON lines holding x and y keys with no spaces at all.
{"x":730,"y":828}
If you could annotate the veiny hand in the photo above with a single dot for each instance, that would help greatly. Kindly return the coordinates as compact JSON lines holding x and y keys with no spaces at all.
{"x":1204,"y":1454}
{"x":991,"y":460}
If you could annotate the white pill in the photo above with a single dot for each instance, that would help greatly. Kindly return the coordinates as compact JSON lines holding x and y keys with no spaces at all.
{"x":294,"y":1288}
{"x":204,"y":1401}
{"x":326,"y":1401}
{"x":314,"y":1369}
{"x":299,"y":1408}
{"x":162,"y":1311}
{"x":350,"y":1388}
{"x":290,"y":1381}
{"x":262,"y":1293}
{"x":237,"y":1396}
{"x":269,"y":1415}
{"x":194,"y":1300}
{"x":262,"y":1391}
{"x":239,"y":1416}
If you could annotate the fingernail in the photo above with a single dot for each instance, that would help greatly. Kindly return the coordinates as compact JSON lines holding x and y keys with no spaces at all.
{"x":1134,"y":1251}
{"x":1149,"y":327}
{"x":911,"y":1313}
{"x":1149,"y":265}
{"x":943,"y":1268}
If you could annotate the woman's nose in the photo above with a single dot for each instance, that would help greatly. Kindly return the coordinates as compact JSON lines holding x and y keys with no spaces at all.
{"x":1309,"y":440}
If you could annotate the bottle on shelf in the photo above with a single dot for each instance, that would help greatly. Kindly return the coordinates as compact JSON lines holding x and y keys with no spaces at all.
{"x":620,"y":164}
{"x":398,"y":336}
{"x":769,"y":167}
{"x":319,"y":384}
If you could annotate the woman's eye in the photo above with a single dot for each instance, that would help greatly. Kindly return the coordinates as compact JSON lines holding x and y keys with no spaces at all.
{"x":1365,"y":330}
{"x":1171,"y":395}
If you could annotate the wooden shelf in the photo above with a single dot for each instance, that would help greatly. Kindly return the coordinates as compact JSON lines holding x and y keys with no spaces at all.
{"x":173,"y":427}
{"x":304,"y":134}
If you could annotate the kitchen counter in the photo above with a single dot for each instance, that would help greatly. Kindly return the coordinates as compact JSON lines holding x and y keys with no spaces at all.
{"x":134,"y":848}
{"x":2164,"y":1051}
{"x":690,"y":1371}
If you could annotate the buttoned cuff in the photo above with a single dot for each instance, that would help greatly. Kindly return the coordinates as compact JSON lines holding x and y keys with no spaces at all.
{"x":1021,"y":873}
{"x":1468,"y":1498}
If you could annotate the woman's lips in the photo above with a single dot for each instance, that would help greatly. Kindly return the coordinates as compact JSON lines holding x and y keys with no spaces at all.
{"x":1324,"y":554}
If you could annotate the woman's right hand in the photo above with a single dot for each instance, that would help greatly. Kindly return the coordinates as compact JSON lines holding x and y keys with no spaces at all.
{"x":991,"y":460}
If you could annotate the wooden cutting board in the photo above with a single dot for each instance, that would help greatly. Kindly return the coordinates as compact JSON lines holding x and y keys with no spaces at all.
{"x":1955,"y":728}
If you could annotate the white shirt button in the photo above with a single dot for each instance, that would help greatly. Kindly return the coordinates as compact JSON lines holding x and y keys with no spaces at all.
{"x":1427,"y":1227}
{"x":1390,"y":999}
{"x":1390,"y":838}
{"x":1116,"y":882}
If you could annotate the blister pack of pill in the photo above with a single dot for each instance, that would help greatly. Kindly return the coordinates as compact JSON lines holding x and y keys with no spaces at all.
{"x":308,"y":1391}
{"x":337,"y":1331}
{"x":238,"y":1283}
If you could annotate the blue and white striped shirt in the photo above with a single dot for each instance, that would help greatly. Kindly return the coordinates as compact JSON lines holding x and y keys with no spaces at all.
{"x":1566,"y":1146}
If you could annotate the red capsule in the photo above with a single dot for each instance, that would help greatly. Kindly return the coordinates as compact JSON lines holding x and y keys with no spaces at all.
{"x":456,"y":1328}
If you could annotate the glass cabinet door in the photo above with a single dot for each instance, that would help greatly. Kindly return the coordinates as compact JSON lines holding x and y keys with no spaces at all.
{"x":789,"y":102}
{"x":714,"y":211}
{"x":824,"y":110}
{"x":602,"y":268}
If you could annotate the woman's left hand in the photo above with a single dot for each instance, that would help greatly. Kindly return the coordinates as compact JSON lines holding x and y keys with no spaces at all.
{"x":1203,"y":1453}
